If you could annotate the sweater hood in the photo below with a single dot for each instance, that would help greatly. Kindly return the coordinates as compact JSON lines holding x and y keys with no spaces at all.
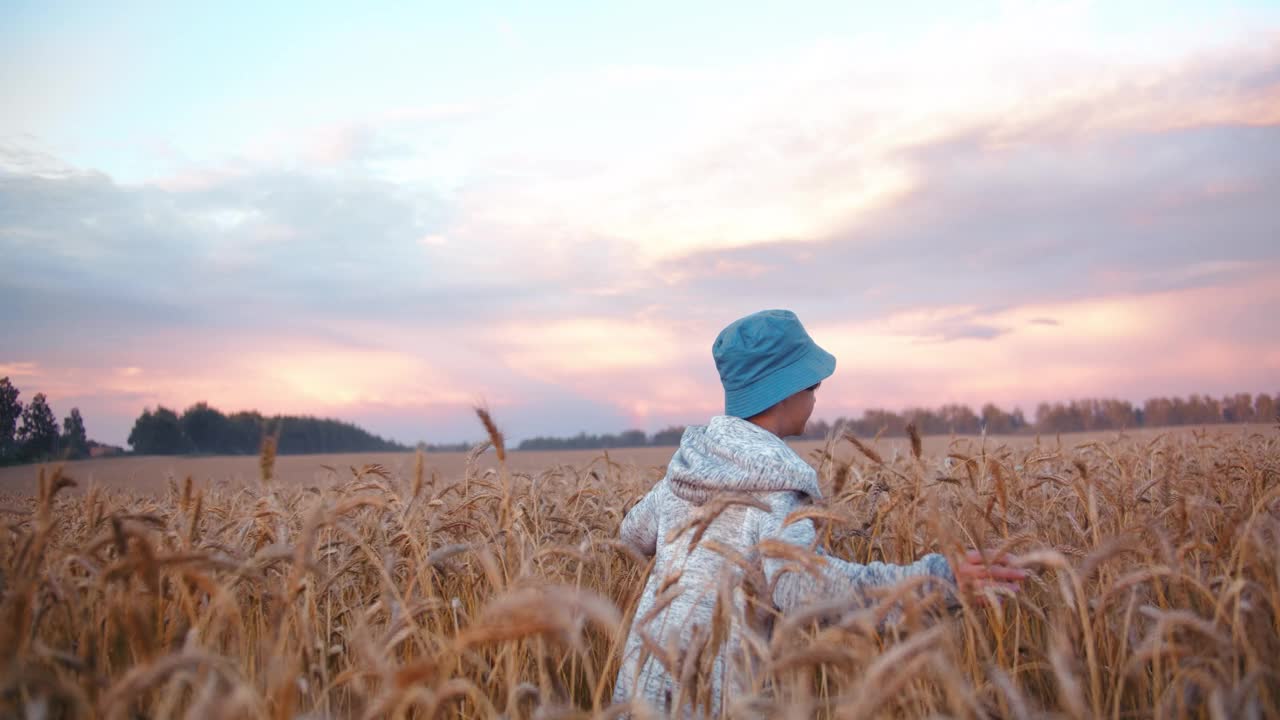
{"x":729,"y":454}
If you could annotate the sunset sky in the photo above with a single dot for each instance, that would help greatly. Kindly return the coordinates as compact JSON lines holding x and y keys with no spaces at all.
{"x":389,"y":215}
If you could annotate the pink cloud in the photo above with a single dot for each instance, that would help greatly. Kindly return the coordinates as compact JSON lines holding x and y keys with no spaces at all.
{"x":338,"y":145}
{"x":1172,"y":342}
{"x":19,"y":369}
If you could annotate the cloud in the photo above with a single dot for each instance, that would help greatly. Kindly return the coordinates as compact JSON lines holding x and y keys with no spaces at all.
{"x":1025,"y":223}
{"x":972,"y":331}
{"x":283,"y":242}
{"x":1131,"y":345}
{"x":18,"y":369}
{"x":795,"y":150}
{"x":572,"y":347}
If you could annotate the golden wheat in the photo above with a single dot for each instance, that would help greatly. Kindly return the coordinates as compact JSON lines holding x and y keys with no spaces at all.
{"x":505,"y":593}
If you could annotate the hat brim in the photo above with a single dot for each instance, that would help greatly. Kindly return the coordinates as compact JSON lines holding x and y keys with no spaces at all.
{"x":808,"y":370}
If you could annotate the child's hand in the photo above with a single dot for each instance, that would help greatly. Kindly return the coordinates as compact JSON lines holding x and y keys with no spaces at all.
{"x":975,"y":574}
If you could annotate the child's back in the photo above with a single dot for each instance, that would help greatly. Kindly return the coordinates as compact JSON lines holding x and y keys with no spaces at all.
{"x":750,"y":480}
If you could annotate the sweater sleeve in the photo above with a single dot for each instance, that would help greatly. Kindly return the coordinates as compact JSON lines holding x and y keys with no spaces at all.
{"x":794,"y":587}
{"x":640,"y":526}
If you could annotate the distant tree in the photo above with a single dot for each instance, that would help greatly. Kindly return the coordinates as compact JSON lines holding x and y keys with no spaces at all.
{"x":814,"y":430}
{"x":1200,"y":410}
{"x":1238,"y":408}
{"x":996,"y":421}
{"x":879,"y":421}
{"x":446,"y":447}
{"x":1118,"y":414}
{"x":1264,"y":408}
{"x":1055,"y":418}
{"x":632,"y":438}
{"x":75,"y":443}
{"x":10,"y":411}
{"x":97,"y":449}
{"x":38,"y":434}
{"x":208,"y":430}
{"x":244,"y":432}
{"x":1158,"y":412}
{"x":668,"y":436}
{"x":959,"y":419}
{"x":297,"y":435}
{"x":158,"y":433}
{"x":927,"y":422}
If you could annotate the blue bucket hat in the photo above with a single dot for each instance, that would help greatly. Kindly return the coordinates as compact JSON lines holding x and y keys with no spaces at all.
{"x":766,"y":357}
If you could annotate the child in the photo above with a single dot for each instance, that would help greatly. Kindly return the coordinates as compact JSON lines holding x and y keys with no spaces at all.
{"x":770,"y":370}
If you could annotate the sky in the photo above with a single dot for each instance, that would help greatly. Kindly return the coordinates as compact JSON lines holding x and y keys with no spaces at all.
{"x":389,"y":214}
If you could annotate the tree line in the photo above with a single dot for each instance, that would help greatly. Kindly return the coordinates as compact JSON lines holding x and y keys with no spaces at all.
{"x":205,"y":430}
{"x":30,"y":433}
{"x":1083,"y":415}
{"x":585,"y":441}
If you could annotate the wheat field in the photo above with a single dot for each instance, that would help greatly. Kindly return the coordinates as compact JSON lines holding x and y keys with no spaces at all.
{"x":495,"y":587}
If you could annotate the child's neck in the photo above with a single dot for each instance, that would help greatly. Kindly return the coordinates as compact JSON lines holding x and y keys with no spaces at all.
{"x":768,"y":422}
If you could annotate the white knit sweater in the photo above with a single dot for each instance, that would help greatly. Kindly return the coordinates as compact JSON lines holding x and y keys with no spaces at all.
{"x":729,"y":457}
